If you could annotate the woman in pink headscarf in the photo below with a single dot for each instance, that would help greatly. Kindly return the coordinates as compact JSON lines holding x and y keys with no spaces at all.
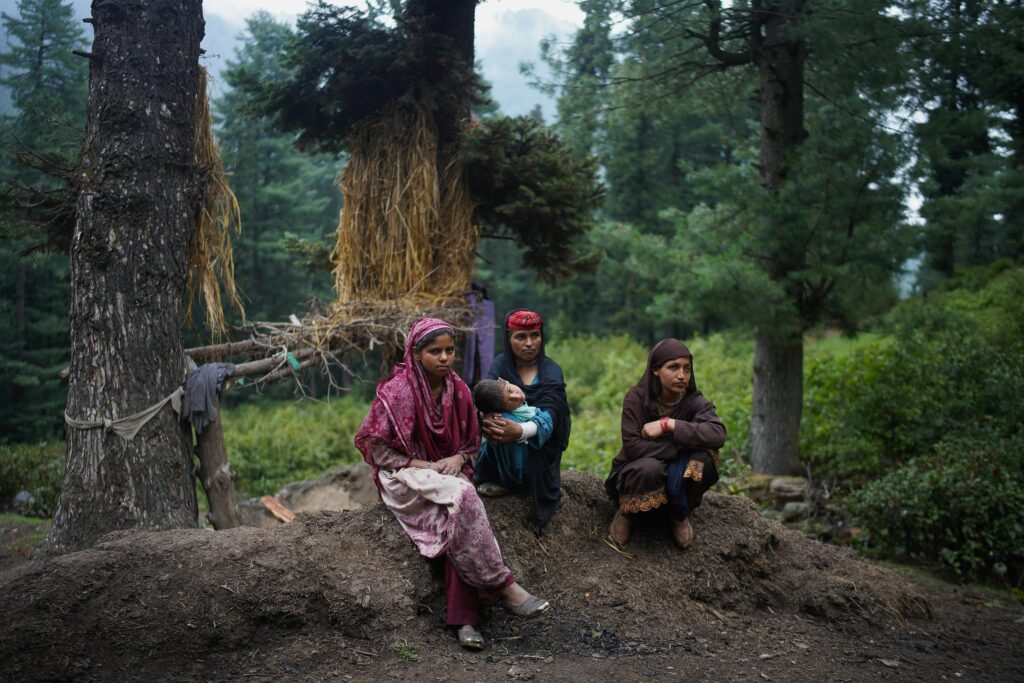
{"x":421,"y":438}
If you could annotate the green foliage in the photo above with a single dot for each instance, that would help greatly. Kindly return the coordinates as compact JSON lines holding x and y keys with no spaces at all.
{"x":344,"y":65}
{"x":948,"y":368}
{"x":34,"y":467}
{"x":958,"y":507}
{"x":272,"y":444}
{"x":530,"y":189}
{"x":40,"y":141}
{"x":968,"y":134}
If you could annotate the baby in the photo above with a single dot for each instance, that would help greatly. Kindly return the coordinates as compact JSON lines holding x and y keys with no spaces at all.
{"x":500,"y":396}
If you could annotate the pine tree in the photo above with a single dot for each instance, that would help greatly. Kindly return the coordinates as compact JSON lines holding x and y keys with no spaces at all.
{"x":47,"y":84}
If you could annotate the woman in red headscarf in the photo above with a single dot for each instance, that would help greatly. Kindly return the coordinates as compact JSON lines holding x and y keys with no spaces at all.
{"x":528,"y":455}
{"x":670,"y":437}
{"x":421,"y":438}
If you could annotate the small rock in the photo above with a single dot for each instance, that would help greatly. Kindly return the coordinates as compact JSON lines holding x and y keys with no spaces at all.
{"x":520,"y":673}
{"x":795,"y":510}
{"x":21,"y":503}
{"x":788,"y":488}
{"x":891,"y":663}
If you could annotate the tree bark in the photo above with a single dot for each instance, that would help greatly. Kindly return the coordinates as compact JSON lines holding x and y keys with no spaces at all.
{"x":777,"y":405}
{"x":778,"y":360}
{"x":217,"y":477}
{"x":136,"y":216}
{"x":455,"y":20}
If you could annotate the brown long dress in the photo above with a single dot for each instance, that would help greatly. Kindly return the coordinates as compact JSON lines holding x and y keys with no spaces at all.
{"x":640,"y":470}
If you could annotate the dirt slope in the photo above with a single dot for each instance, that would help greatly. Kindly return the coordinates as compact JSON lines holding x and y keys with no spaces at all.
{"x":337,"y":595}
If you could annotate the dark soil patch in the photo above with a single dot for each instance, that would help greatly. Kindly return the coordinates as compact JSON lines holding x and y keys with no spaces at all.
{"x":336,"y":596}
{"x":18,"y":537}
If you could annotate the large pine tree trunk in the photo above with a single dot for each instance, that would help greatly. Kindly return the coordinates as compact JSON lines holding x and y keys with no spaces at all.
{"x":777,"y":404}
{"x":136,"y":216}
{"x":778,"y":359}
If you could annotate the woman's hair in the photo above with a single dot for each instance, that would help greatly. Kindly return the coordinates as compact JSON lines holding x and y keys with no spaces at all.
{"x":489,"y":395}
{"x":431,"y":336}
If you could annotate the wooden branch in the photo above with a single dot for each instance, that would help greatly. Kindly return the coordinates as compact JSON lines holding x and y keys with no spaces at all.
{"x":82,"y":53}
{"x":713,"y":39}
{"x":217,"y":351}
{"x":217,"y":477}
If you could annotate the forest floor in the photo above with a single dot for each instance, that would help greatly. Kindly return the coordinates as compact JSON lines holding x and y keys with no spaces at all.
{"x":344,"y":596}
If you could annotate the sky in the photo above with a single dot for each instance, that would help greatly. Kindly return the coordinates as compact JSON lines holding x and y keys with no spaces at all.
{"x":508,"y":32}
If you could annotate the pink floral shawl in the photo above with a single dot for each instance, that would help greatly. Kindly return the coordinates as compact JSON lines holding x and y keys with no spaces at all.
{"x":405,"y":417}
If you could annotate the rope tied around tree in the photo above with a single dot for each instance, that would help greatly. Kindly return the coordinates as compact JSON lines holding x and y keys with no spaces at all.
{"x":128,"y":427}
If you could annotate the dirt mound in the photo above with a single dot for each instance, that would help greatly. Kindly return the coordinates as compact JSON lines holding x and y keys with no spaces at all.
{"x":346,"y":488}
{"x":352,"y":583}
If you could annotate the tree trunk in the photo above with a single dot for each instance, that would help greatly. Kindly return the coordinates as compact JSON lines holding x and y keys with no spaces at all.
{"x":454,"y":19}
{"x":136,"y":216}
{"x":778,"y":361}
{"x":777,"y":404}
{"x":217,"y":477}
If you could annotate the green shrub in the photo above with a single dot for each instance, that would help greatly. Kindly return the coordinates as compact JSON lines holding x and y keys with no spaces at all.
{"x":959,"y":506}
{"x":272,"y":444}
{"x":34,"y":467}
{"x":948,"y":364}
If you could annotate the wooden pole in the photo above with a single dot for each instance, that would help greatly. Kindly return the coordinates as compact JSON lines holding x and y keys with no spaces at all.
{"x":217,"y":477}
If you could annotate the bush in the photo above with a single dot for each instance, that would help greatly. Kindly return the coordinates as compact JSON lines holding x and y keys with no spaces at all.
{"x":34,"y":467}
{"x":272,"y":444}
{"x":959,"y":507}
{"x":949,"y":363}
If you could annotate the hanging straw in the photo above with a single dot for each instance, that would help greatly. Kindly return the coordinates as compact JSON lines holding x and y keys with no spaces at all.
{"x":211,"y":266}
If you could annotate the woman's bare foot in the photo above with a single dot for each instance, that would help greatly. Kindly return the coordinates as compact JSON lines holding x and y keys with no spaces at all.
{"x":620,"y":528}
{"x":682,"y":533}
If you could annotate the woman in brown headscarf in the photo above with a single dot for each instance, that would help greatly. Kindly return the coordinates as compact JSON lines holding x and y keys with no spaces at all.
{"x":670,"y":437}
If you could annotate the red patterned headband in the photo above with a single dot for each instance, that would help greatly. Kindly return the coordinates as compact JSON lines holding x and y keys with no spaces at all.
{"x":522,"y":321}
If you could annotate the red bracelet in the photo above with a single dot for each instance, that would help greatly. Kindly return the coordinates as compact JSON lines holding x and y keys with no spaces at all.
{"x":664,"y":424}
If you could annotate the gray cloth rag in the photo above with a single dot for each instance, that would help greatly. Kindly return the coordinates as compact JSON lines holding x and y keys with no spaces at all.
{"x":201,"y":389}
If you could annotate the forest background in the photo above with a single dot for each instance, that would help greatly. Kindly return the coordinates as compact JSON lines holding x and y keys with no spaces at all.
{"x":911,"y":319}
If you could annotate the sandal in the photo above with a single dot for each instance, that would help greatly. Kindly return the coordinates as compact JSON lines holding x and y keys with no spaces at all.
{"x":529,"y":608}
{"x":490,"y":488}
{"x":470,"y":638}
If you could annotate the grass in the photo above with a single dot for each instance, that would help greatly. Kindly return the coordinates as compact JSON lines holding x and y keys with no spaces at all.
{"x":405,"y":650}
{"x":21,"y":534}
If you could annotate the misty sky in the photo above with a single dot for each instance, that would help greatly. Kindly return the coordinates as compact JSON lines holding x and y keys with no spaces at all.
{"x":507,"y":32}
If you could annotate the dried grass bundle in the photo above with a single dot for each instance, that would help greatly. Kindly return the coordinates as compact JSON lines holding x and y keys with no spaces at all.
{"x":400,"y":233}
{"x":211,"y":266}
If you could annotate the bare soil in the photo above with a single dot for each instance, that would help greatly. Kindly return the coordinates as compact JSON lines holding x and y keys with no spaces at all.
{"x":344,"y":596}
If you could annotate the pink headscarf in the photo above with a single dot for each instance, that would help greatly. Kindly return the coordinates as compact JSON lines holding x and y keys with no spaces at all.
{"x":405,"y":416}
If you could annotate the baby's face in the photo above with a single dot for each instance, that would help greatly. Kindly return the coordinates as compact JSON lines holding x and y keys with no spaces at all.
{"x":514,"y":396}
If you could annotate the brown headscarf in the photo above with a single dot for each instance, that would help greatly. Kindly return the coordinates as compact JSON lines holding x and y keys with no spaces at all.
{"x":649,"y":386}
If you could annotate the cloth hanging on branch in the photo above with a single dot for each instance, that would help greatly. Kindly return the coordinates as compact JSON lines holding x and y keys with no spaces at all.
{"x":128,"y":427}
{"x":201,"y":389}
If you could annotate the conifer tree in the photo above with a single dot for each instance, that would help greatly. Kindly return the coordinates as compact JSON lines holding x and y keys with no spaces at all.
{"x":47,"y":85}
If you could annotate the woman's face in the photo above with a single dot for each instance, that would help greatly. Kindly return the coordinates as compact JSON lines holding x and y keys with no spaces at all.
{"x":525,"y":345}
{"x":675,"y":375}
{"x":513,"y":396}
{"x":437,"y":356}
